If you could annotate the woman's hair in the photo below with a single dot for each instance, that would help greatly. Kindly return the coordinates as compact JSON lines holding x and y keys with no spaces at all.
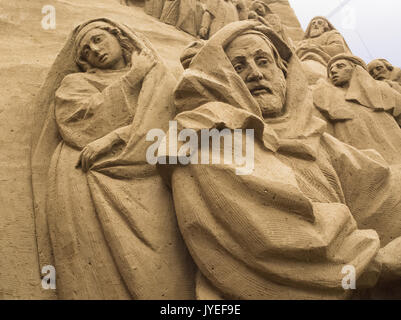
{"x":127,"y":48}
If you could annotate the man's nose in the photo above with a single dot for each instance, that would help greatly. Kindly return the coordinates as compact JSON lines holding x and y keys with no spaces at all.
{"x":254,"y":73}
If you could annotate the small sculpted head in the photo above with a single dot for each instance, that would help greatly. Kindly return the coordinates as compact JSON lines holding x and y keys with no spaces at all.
{"x":101,"y":50}
{"x":259,"y":8}
{"x":318,"y":26}
{"x":259,"y":65}
{"x":340,"y":72}
{"x":380,"y":69}
{"x":101,"y":45}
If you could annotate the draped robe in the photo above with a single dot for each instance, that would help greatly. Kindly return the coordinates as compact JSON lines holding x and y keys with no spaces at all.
{"x":366,"y":115}
{"x":286,"y":230}
{"x":124,"y":228}
{"x":110,"y":232}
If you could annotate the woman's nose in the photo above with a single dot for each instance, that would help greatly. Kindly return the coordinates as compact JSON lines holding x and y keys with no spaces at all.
{"x":94,"y":47}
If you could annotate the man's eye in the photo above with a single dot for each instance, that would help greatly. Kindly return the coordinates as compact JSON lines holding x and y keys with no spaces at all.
{"x":97,"y":39}
{"x":261,"y":62}
{"x":239,"y":68}
{"x":379,"y":68}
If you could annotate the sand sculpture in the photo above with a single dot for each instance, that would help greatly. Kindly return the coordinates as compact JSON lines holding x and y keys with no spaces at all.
{"x":383,"y":70}
{"x":361,"y":111}
{"x":258,"y":236}
{"x":320,"y":192}
{"x":104,"y":210}
{"x":321,"y":42}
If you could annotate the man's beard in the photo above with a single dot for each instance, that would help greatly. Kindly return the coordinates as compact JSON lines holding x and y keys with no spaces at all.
{"x":316,"y":32}
{"x":272,"y":104}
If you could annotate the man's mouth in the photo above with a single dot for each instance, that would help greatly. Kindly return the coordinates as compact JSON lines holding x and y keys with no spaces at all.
{"x":260,"y":90}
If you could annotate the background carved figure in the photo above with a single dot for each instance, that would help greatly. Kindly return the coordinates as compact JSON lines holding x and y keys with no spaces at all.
{"x":111,"y":224}
{"x":154,"y":8}
{"x":382,"y":70}
{"x":186,"y":15}
{"x":321,"y":42}
{"x":219,"y":13}
{"x":259,"y":10}
{"x":361,"y":111}
{"x":286,"y":230}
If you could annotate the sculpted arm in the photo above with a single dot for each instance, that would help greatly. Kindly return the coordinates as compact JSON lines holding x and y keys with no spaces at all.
{"x":242,"y":9}
{"x":205,"y":24}
{"x":83,"y":111}
{"x":335,"y":45}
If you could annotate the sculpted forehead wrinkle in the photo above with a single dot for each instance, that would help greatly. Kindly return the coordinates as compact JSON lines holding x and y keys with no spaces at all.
{"x":340,"y":62}
{"x":91,"y":34}
{"x":247,"y":45}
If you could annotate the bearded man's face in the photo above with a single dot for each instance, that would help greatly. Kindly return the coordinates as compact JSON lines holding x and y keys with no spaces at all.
{"x":318,"y":27}
{"x":378,"y":70}
{"x":254,"y":61}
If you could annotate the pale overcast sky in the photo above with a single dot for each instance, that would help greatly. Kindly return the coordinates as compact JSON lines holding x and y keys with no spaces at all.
{"x":372,"y":28}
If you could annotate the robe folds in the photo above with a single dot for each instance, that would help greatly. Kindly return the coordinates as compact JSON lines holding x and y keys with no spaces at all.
{"x":112,"y":230}
{"x":186,"y":15}
{"x":311,"y":206}
{"x":329,"y":44}
{"x":366,"y":115}
{"x":223,"y":12}
{"x":154,"y":8}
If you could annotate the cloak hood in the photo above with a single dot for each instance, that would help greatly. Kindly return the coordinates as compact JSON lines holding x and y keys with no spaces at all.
{"x":309,"y":27}
{"x":211,"y":95}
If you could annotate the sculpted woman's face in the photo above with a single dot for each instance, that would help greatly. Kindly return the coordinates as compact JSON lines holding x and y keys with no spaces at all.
{"x":102,"y":50}
{"x":260,"y":9}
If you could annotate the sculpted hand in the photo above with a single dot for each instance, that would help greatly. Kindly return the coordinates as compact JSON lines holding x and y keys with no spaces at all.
{"x":92,"y":151}
{"x":143,"y":60}
{"x":203,"y":32}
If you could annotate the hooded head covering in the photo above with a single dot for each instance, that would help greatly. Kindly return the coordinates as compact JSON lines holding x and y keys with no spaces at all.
{"x":45,"y":134}
{"x":308,"y":29}
{"x":253,"y":4}
{"x":362,"y":89}
{"x":343,"y":56}
{"x":125,"y":43}
{"x":215,"y":92}
{"x":387,"y":64}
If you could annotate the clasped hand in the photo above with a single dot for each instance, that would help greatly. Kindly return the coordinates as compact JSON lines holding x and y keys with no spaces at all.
{"x":93,"y":151}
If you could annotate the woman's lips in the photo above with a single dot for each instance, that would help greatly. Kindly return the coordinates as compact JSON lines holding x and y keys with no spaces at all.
{"x":103,"y":58}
